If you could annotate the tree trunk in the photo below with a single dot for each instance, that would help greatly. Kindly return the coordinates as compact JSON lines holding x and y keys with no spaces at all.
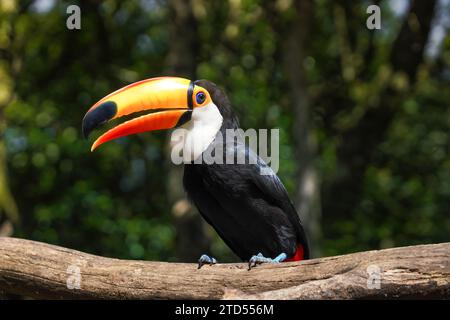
{"x":360,"y":142}
{"x":296,"y":38}
{"x":40,"y":270}
{"x":191,"y":238}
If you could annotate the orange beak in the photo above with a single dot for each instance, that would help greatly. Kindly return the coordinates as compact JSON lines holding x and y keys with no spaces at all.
{"x":168,"y":98}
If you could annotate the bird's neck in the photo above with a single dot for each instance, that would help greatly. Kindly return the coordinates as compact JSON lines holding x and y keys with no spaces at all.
{"x":193,"y":138}
{"x":230,"y":122}
{"x":206,"y":130}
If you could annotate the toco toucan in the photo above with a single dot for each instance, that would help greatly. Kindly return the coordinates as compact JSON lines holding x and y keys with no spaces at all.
{"x":250,"y":211}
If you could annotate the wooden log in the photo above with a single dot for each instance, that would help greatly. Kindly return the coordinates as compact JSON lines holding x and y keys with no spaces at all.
{"x":40,"y":270}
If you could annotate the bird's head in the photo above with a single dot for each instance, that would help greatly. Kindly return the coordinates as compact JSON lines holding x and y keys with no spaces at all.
{"x":160,"y":103}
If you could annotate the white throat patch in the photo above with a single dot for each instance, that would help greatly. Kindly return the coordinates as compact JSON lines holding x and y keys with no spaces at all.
{"x":197,"y":134}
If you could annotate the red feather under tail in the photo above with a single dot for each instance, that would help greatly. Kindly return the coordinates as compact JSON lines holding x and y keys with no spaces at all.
{"x":298,"y":254}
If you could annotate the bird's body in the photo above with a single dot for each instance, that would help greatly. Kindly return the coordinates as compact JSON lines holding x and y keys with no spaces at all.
{"x":250,"y":215}
{"x":250,"y":211}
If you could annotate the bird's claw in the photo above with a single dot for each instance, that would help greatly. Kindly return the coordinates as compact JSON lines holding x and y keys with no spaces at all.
{"x":205,"y":259}
{"x":259,"y":258}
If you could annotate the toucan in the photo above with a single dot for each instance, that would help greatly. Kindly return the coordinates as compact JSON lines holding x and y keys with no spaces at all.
{"x":250,"y":211}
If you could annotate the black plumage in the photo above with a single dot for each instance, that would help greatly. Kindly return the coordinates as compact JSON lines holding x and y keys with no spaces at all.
{"x":251,"y":212}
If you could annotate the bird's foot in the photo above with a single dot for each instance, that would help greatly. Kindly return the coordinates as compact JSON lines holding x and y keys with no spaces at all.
{"x":205,"y":259}
{"x":259,"y":258}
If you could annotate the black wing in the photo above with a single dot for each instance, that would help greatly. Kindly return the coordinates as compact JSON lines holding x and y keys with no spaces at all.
{"x":251,"y":212}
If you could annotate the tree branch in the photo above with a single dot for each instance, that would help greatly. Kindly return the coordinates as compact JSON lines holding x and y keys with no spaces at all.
{"x":41,"y":270}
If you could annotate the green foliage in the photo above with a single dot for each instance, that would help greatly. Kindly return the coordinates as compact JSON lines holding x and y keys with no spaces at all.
{"x":114,"y":202}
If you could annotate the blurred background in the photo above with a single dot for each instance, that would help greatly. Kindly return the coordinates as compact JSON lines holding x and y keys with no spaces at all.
{"x":363,"y":115}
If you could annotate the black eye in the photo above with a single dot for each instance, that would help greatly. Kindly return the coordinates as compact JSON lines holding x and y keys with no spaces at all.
{"x":200,"y":97}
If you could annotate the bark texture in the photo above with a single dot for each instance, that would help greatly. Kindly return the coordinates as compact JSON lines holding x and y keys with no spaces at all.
{"x":41,"y":270}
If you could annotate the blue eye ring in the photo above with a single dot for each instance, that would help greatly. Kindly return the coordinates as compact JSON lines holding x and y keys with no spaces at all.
{"x":200,"y":97}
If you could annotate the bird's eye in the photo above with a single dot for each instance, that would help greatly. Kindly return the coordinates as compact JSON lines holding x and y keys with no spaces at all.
{"x":200,"y":97}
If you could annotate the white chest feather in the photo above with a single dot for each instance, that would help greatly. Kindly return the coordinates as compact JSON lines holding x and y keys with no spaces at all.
{"x":197,"y":134}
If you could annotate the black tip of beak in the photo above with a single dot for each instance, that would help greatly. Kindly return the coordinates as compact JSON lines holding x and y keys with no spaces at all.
{"x":94,"y":118}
